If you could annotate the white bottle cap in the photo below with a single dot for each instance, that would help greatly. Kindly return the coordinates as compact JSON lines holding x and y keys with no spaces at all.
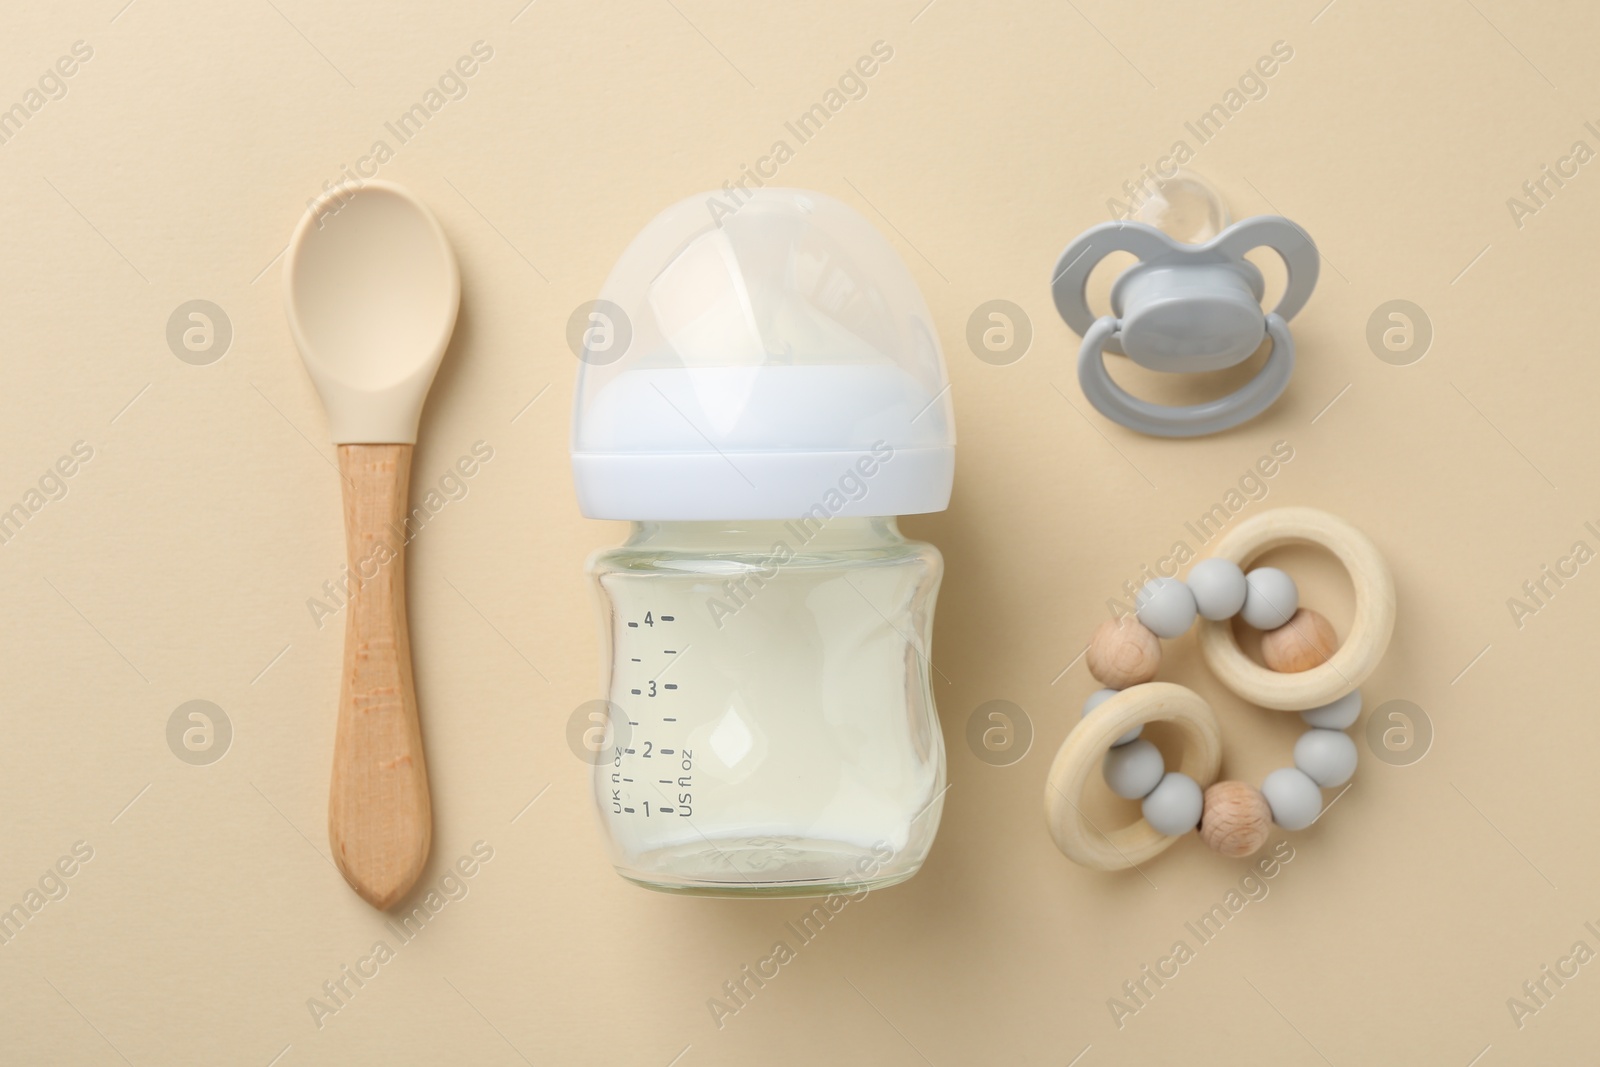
{"x":769,"y":360}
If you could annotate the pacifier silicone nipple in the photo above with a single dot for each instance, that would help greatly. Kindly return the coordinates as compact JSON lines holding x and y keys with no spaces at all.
{"x":1186,"y":208}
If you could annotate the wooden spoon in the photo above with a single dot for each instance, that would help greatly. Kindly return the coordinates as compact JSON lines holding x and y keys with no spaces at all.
{"x":372,"y":290}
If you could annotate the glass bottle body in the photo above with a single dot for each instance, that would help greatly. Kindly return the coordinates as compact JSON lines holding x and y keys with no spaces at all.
{"x":772,"y":714}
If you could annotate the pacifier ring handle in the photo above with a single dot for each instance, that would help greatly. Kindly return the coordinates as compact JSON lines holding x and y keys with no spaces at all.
{"x":1193,"y":420}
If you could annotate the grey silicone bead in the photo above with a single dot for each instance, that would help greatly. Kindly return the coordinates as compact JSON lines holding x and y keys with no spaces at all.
{"x":1327,"y":756}
{"x":1218,"y":586}
{"x":1174,"y":806}
{"x":1100,"y":696}
{"x":1270,"y":598}
{"x":1340,"y":715}
{"x":1166,"y":607}
{"x":1132,"y":770}
{"x":1294,"y":798}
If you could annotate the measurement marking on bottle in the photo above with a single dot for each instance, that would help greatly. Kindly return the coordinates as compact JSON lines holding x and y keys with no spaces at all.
{"x":628,"y":810}
{"x":668,"y":751}
{"x":669,"y":720}
{"x":629,"y":751}
{"x":635,"y":660}
{"x":664,"y":781}
{"x":632,"y":723}
{"x":627,"y":779}
{"x":666,"y":652}
{"x":635,"y":692}
{"x":668,"y":618}
{"x":671,"y":685}
{"x":663,"y":809}
{"x":634,"y":625}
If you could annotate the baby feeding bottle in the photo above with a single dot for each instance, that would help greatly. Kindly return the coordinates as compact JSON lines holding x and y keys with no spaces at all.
{"x":762,"y":392}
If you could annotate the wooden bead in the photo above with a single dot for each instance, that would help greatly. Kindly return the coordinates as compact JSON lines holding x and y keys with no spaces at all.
{"x":1236,"y":820}
{"x":1307,"y":640}
{"x":1123,"y":652}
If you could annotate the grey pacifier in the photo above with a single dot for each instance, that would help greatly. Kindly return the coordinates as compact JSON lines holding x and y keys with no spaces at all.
{"x":1185,"y":308}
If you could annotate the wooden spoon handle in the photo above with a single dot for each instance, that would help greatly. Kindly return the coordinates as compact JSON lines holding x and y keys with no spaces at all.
{"x":380,"y":821}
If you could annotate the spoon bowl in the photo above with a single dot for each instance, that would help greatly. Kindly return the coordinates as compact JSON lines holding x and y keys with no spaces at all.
{"x":372,"y":289}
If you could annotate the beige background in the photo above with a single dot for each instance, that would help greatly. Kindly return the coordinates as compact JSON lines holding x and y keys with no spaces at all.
{"x":179,"y":563}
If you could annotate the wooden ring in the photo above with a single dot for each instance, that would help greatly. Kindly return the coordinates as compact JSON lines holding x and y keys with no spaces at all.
{"x":1370,"y":631}
{"x":1084,"y":749}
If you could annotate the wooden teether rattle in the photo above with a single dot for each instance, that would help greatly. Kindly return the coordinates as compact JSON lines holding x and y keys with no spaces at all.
{"x":1306,"y":673}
